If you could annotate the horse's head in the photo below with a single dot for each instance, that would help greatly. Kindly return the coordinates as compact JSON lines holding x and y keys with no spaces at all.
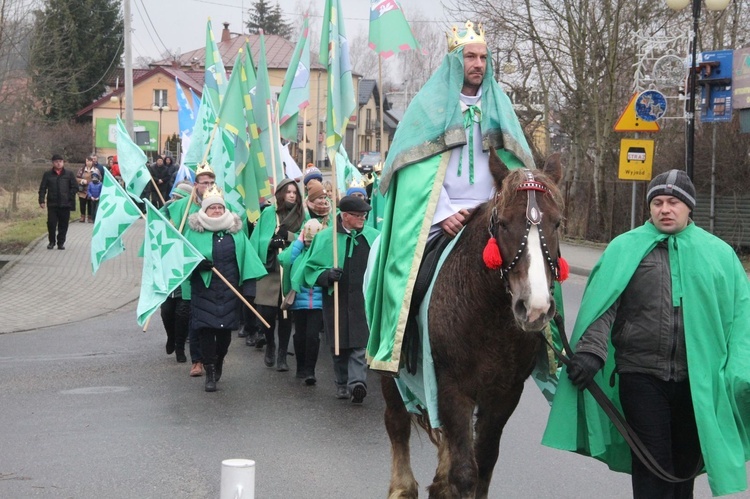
{"x":524,"y":219}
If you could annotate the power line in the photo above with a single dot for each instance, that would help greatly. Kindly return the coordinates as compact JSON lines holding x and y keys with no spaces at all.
{"x":155,"y":30}
{"x":145,"y":26}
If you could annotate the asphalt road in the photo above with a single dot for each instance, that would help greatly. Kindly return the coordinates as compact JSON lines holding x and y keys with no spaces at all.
{"x":97,"y":410}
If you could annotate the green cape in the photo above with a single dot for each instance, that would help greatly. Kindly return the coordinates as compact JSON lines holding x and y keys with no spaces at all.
{"x":432,"y":126}
{"x":716,"y":311}
{"x":263,"y":232}
{"x":319,"y":255}
{"x":248,"y":262}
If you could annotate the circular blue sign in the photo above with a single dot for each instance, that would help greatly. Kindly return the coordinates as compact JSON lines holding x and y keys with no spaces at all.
{"x":650,"y":105}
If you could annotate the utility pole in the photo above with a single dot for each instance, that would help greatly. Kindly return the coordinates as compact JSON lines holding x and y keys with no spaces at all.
{"x":128,"y":70}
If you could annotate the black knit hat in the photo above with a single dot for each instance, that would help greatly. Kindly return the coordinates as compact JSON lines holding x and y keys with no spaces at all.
{"x":672,"y":183}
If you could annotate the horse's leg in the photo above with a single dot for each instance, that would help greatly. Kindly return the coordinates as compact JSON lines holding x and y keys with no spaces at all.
{"x":398,"y":425}
{"x":456,"y":412}
{"x":494,"y":411}
{"x":440,"y":481}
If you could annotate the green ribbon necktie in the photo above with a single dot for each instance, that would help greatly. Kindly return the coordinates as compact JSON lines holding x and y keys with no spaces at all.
{"x":352,"y":236}
{"x":472,"y":115}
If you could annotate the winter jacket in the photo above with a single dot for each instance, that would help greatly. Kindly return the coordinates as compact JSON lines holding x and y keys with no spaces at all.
{"x":95,"y":190}
{"x":307,"y":298}
{"x":58,"y":191}
{"x":647,"y":331}
{"x":84,"y":179}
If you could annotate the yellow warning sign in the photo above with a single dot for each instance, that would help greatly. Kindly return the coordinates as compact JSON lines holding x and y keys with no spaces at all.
{"x":630,"y":122}
{"x":636,"y":159}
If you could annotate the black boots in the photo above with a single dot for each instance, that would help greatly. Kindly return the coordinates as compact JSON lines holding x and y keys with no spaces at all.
{"x":281,"y":364}
{"x":270,"y":355}
{"x":219,"y":366}
{"x":210,"y":377}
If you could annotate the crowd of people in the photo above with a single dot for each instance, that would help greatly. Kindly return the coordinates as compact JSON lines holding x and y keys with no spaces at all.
{"x":280,"y":268}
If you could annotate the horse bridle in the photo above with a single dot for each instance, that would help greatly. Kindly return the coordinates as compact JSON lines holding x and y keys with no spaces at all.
{"x":533,"y":217}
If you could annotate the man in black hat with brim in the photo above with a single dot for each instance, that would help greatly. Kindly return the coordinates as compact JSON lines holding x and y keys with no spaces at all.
{"x":57,"y":193}
{"x":354,"y":241}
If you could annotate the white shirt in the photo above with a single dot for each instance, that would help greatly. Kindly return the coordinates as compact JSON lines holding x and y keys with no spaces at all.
{"x":457,"y":192}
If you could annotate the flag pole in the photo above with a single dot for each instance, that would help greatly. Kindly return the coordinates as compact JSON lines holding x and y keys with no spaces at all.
{"x":284,"y":313}
{"x":242,"y":298}
{"x":192,"y":194}
{"x":273,"y":156}
{"x":304,"y":139}
{"x":334,"y":189}
{"x":156,"y":187}
{"x":382,"y":104}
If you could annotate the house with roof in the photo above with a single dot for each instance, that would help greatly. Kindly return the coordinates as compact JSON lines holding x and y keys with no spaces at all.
{"x":155,"y":102}
{"x":369,"y":117}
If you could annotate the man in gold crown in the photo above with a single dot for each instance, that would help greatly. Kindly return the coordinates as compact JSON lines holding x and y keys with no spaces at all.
{"x":437,"y":170}
{"x":205,"y":178}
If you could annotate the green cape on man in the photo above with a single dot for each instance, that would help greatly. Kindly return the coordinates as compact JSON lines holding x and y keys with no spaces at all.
{"x":319,"y":255}
{"x":411,"y":182}
{"x":713,"y":286}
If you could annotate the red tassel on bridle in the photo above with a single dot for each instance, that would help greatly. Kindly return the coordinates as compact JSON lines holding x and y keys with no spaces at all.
{"x":563,"y":269}
{"x":491,"y":254}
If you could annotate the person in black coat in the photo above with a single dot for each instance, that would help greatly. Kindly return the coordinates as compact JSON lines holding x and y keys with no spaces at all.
{"x":57,"y":192}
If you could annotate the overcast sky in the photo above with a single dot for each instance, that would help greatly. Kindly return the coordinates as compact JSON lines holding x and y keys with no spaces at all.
{"x":179,"y":25}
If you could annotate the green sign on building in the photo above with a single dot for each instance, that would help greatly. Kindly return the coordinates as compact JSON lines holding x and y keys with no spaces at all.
{"x":145,"y":134}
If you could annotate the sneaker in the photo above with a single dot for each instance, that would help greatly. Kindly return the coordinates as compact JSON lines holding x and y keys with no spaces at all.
{"x":342,"y":392}
{"x":359,"y":392}
{"x":196,"y":370}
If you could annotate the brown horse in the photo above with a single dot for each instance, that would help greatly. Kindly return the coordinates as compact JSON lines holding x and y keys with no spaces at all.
{"x":483,"y":326}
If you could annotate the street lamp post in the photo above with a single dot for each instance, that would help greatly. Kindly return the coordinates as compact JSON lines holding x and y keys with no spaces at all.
{"x":161,"y":107}
{"x":690,"y":111}
{"x":115,"y":98}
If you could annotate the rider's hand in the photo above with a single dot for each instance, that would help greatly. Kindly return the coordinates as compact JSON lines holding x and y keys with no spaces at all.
{"x":454,"y":223}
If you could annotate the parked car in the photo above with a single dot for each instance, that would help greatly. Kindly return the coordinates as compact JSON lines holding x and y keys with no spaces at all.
{"x":368,"y":161}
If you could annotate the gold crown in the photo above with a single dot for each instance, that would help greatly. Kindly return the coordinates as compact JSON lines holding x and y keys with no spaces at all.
{"x":204,"y":169}
{"x":213,"y":192}
{"x":357,"y":183}
{"x":456,"y":39}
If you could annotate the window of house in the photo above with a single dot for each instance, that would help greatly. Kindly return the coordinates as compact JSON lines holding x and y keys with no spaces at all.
{"x":160,"y":97}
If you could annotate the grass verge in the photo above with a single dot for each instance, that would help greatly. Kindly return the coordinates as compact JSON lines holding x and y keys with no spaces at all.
{"x":23,"y":225}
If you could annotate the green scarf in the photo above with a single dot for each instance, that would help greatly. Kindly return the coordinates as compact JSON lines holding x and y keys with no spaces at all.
{"x":709,"y":279}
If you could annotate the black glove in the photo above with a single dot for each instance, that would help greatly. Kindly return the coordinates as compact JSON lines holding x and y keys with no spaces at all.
{"x":282,"y":233}
{"x":205,"y":264}
{"x":583,"y":367}
{"x":277,"y":243}
{"x":334,"y":275}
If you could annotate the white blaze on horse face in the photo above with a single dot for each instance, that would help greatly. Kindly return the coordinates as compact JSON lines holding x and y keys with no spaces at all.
{"x":538,"y":300}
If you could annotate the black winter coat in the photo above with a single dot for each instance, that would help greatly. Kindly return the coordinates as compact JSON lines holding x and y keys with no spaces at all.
{"x":216,"y":306}
{"x":58,"y":191}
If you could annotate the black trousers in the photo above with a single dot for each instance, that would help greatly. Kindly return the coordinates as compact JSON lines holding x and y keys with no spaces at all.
{"x":175,"y":314}
{"x":308,"y":324}
{"x":661,"y":413}
{"x":214,"y":344}
{"x":272,"y":315}
{"x":57,"y":223}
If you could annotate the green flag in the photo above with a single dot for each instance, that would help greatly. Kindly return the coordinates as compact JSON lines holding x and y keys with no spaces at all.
{"x":132,"y":162}
{"x":116,"y":213}
{"x":295,"y":93}
{"x":253,"y":178}
{"x":334,"y":54}
{"x":389,"y":31}
{"x":215,"y":79}
{"x":230,"y":150}
{"x":168,"y":259}
{"x":262,"y":104}
{"x":204,"y":125}
{"x":377,"y":201}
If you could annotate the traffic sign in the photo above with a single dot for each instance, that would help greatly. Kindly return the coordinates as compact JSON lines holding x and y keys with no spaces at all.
{"x":630,"y":122}
{"x":636,"y":159}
